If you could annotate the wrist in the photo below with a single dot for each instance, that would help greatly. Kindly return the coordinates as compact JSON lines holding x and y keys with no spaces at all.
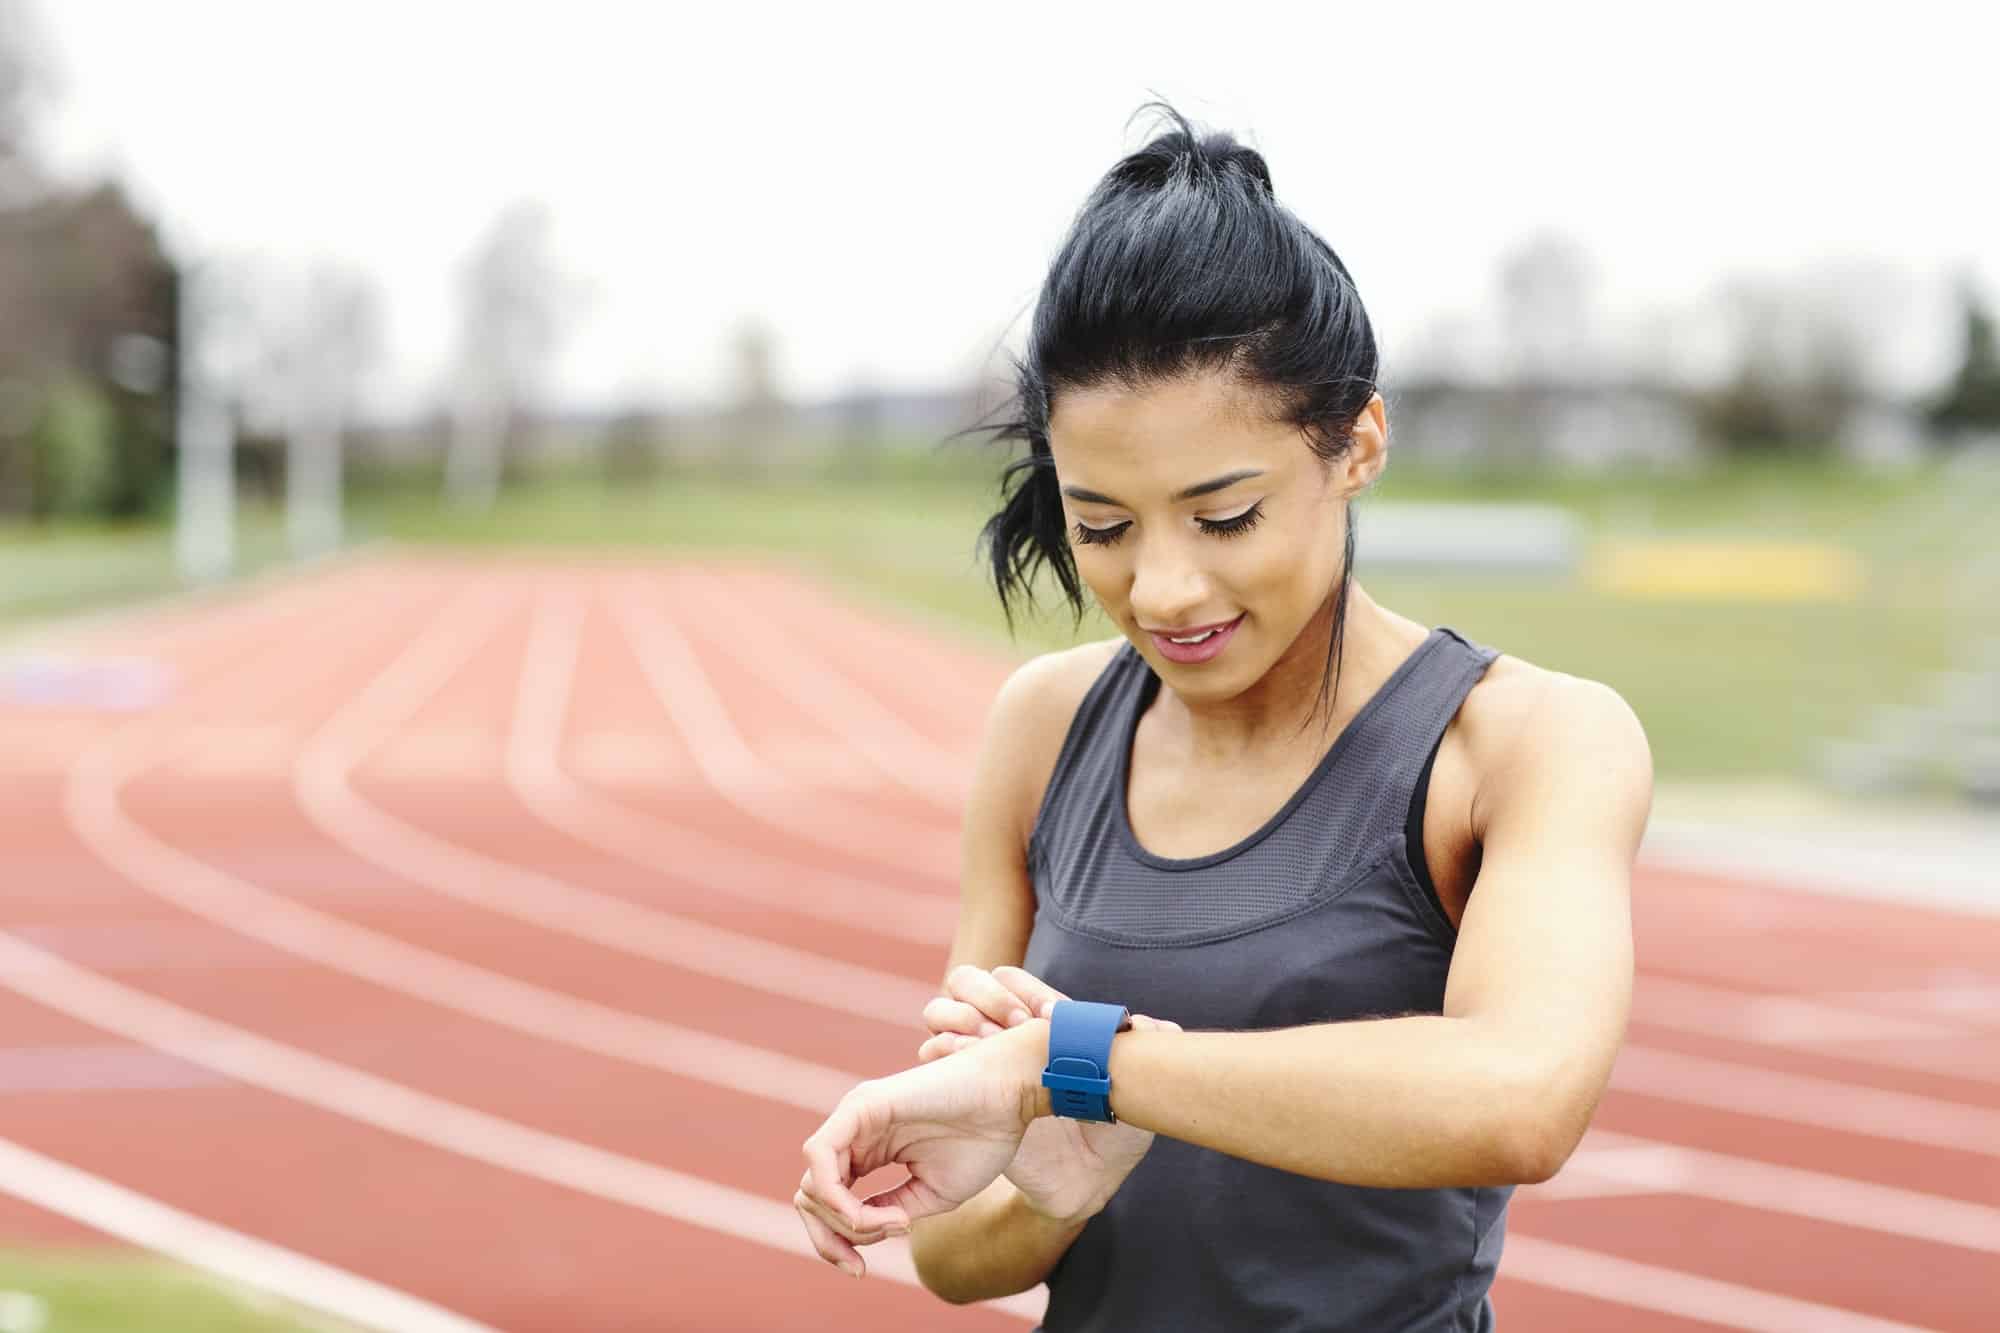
{"x":1030,"y":1041}
{"x":1055,"y":1221}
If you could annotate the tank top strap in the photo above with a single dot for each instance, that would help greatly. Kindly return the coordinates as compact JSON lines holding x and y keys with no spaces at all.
{"x":1090,"y":749}
{"x":1393,"y":738}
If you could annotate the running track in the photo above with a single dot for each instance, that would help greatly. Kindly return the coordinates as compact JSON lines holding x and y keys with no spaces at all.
{"x":473,"y":944}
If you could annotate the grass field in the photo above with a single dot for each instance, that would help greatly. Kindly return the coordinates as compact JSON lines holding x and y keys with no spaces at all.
{"x":121,"y":1293}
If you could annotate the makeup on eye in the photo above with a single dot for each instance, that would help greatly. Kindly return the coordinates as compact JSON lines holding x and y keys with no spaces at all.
{"x":1234,"y":525}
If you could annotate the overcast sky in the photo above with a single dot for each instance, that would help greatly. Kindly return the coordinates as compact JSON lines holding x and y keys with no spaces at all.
{"x":884,"y":184}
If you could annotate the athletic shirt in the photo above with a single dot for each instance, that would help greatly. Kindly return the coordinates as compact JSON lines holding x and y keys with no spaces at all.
{"x":1324,"y":914}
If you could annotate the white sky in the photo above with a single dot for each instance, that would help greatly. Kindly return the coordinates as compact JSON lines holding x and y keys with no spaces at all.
{"x":884,"y":184}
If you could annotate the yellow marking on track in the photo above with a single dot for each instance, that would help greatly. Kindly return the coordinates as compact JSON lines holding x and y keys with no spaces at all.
{"x":1728,"y":571}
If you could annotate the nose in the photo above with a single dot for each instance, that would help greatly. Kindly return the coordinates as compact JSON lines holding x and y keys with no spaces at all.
{"x":1169,"y":586}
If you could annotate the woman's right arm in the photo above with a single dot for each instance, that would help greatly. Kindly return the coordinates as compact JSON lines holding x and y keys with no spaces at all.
{"x":994,"y":1244}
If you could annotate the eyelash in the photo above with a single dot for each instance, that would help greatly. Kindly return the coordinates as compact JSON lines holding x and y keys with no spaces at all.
{"x":1228,"y":527}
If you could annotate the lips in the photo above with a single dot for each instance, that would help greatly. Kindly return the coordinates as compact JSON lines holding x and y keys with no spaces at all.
{"x":1193,"y":630}
{"x":1206,"y":641}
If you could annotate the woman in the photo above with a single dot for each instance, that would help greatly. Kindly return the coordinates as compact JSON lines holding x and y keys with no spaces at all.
{"x":1365,"y":882}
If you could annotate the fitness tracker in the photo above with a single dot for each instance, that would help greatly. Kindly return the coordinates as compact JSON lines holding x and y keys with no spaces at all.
{"x":1078,"y":1075}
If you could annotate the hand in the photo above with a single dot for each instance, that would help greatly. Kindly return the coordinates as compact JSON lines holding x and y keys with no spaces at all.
{"x":1065,"y":1169}
{"x":955,"y":1124}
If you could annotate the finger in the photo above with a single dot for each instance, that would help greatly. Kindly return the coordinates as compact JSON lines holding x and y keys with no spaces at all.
{"x":944,"y":1014}
{"x":827,"y":1161}
{"x":829,"y":1246}
{"x":978,"y":988}
{"x":852,"y":1235}
{"x":830,"y":1169}
{"x":912,"y":1199}
{"x":1039,"y":997}
{"x":943,"y":1044}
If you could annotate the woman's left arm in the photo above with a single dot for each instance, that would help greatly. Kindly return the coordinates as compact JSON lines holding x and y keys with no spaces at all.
{"x":1499,"y":1087}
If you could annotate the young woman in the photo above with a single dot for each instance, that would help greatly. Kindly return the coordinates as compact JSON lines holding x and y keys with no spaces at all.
{"x":1365,"y":883}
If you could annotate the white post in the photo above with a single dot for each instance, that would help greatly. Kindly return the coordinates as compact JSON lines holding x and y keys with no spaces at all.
{"x":205,"y":480}
{"x":312,"y":469}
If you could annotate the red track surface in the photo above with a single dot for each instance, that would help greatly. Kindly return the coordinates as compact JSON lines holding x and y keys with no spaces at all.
{"x":355,"y":833}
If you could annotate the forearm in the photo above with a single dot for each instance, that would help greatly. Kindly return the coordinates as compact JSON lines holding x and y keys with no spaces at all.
{"x":992,"y":1245}
{"x":1423,"y":1101}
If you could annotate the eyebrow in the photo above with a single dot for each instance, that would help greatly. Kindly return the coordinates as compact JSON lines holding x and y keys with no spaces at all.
{"x":1198,"y":489}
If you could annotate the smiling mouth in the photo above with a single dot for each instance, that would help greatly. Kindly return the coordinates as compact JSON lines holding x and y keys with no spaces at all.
{"x":1191,"y":637}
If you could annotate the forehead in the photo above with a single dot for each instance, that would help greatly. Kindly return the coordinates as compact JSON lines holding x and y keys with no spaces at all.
{"x":1160,"y":437}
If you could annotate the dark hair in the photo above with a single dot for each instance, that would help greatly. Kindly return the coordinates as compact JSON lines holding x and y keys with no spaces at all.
{"x":1181,"y":260}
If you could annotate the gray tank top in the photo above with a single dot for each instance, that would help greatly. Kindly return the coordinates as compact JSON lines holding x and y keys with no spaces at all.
{"x":1318,"y":916}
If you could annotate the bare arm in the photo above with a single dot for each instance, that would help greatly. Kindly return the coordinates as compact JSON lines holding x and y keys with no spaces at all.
{"x":995,"y":1245}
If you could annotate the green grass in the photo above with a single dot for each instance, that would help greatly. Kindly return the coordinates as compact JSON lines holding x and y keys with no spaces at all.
{"x":56,"y":570}
{"x":88,"y":1292}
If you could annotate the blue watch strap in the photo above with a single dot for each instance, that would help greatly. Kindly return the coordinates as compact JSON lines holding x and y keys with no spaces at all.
{"x":1078,"y":1075}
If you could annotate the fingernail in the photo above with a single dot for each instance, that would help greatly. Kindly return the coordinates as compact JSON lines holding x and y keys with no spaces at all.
{"x":852,"y":1268}
{"x":1017,"y":1017}
{"x":991,"y":1029}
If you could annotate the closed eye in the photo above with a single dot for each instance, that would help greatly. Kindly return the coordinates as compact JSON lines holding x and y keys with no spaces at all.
{"x":1220,"y":527}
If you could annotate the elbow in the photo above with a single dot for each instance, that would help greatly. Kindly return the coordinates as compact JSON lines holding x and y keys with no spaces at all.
{"x":1543,"y":1129}
{"x":1531,"y":1153}
{"x":928,"y":1256}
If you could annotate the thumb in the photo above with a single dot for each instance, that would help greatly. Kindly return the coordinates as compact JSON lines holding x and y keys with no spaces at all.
{"x":907,"y":1202}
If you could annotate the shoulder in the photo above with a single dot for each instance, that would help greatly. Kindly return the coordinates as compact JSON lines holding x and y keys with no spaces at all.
{"x":1030,"y":717}
{"x":1534,"y":736}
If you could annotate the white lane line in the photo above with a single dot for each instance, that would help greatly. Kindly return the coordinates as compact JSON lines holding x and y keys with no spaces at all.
{"x":1640,"y":1286}
{"x":146,"y":1222}
{"x":1669,"y":1168}
{"x":775,"y":655}
{"x":1850,"y":1108}
{"x":324,"y":789}
{"x":249,"y":909}
{"x":944,"y":654}
{"x":1970,"y":998}
{"x":343,"y":1090}
{"x":534,"y":771}
{"x":745,"y":781}
{"x":1809,"y":1026}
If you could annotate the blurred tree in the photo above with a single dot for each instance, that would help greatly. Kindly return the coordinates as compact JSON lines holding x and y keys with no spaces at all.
{"x":634,"y":448}
{"x":75,"y":460}
{"x":511,"y":305}
{"x":1797,"y":365}
{"x":87,"y":314}
{"x":1971,"y":403}
{"x":86,"y":290}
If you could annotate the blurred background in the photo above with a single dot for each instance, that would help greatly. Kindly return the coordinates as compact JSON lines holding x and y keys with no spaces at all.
{"x":1688,"y":321}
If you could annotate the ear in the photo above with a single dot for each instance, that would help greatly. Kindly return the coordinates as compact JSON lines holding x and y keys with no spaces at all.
{"x":1369,"y":453}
